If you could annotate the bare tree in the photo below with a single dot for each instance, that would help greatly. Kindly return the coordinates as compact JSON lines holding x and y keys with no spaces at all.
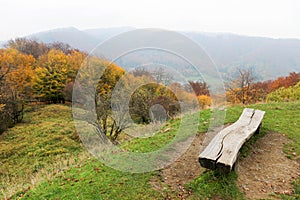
{"x":112,"y":124}
{"x":200,"y":88}
{"x":141,"y":72}
{"x":240,"y":85}
{"x":161,"y":76}
{"x":28,"y":46}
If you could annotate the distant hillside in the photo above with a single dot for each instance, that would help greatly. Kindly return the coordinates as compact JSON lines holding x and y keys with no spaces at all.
{"x":85,"y":40}
{"x":270,"y":57}
{"x":71,"y":36}
{"x":2,"y":43}
{"x":102,"y":34}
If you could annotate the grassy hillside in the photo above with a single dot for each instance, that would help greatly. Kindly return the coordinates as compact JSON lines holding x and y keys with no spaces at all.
{"x":44,"y":151}
{"x":44,"y":144}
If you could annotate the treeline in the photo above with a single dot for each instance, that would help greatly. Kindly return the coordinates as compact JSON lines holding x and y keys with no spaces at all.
{"x":244,"y":88}
{"x":33,"y":71}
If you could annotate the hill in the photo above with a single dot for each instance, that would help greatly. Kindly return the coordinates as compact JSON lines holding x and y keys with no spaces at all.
{"x":270,"y":57}
{"x":72,"y":36}
{"x":102,"y":34}
{"x":42,"y":158}
{"x":84,"y":40}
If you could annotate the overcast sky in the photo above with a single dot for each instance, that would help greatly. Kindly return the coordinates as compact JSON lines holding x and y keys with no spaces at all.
{"x":271,"y":18}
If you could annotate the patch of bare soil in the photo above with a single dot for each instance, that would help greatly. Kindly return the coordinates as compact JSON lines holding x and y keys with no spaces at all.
{"x":267,"y":170}
{"x":183,"y":170}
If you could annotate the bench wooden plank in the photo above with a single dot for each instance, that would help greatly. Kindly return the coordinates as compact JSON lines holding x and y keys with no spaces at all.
{"x":222,"y":151}
{"x":233,"y":142}
{"x":213,"y":151}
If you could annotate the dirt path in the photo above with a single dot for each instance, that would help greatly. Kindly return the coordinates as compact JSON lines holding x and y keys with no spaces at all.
{"x":266,"y":170}
{"x":183,"y":170}
{"x":263,"y":172}
{"x":186,"y":167}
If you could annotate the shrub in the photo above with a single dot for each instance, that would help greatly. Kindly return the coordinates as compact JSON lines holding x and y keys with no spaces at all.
{"x":204,"y":101}
{"x":285,"y":94}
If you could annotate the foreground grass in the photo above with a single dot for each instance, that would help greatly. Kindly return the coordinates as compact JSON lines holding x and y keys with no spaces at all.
{"x":92,"y":180}
{"x":213,"y":185}
{"x":45,"y":143}
{"x":284,"y":118}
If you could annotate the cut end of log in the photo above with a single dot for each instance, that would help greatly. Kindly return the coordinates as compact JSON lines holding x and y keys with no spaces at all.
{"x":224,"y":168}
{"x":207,"y":163}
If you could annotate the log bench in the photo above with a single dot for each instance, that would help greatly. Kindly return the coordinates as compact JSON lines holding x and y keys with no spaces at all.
{"x":222,"y":151}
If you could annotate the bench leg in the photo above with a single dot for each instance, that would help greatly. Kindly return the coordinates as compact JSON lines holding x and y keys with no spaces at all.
{"x":236,"y":164}
{"x":258,"y":129}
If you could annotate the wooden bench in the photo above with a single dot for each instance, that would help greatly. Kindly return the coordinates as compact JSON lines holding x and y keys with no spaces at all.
{"x":222,"y":151}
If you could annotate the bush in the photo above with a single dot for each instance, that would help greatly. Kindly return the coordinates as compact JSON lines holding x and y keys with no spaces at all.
{"x":11,"y":112}
{"x":285,"y":94}
{"x":204,"y":101}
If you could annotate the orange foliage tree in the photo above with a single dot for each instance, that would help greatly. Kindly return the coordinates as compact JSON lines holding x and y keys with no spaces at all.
{"x":16,"y":75}
{"x":239,"y":90}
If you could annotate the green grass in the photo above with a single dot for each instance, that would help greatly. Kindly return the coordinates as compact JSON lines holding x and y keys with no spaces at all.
{"x":93,"y":180}
{"x":41,"y":144}
{"x":284,"y":118}
{"x":153,"y":143}
{"x":213,"y":185}
{"x":160,"y":139}
{"x":53,"y":131}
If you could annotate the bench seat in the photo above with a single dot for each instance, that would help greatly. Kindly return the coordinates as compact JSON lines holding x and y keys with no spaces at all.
{"x":222,"y":151}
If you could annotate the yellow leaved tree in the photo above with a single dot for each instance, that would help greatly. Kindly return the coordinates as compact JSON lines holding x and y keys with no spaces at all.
{"x":52,"y":76}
